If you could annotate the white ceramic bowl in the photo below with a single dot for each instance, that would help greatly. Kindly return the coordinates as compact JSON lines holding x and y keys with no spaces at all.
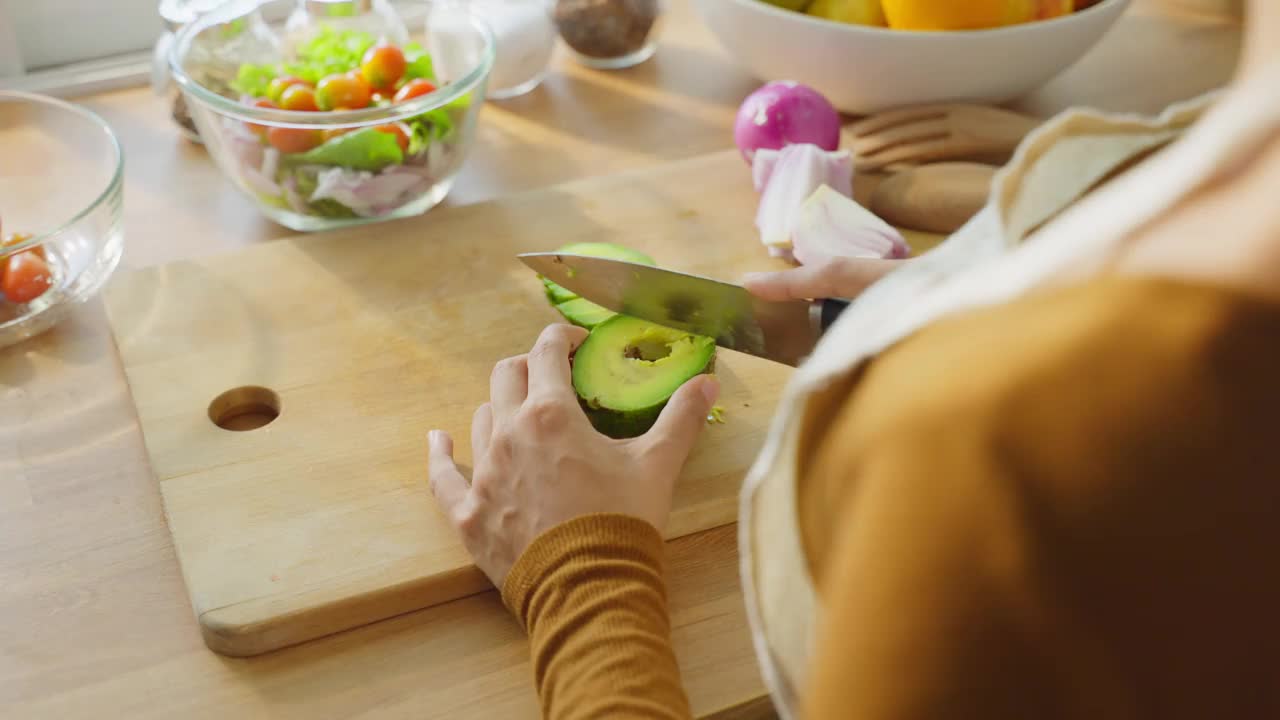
{"x":865,"y":69}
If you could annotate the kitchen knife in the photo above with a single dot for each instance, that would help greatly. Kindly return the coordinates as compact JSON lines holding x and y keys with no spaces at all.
{"x":781,"y":331}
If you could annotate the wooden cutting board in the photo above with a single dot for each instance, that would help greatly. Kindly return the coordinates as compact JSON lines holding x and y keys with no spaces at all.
{"x":365,"y":339}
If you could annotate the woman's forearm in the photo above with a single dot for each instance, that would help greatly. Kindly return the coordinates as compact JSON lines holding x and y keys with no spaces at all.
{"x":591,"y":594}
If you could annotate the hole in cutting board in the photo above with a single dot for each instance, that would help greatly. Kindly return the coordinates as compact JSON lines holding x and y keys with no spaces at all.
{"x":245,"y":408}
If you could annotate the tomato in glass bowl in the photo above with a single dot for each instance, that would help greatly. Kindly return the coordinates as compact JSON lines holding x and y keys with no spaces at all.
{"x":61,"y":197}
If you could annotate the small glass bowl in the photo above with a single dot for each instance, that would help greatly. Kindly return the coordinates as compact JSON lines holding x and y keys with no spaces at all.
{"x":296,"y":191}
{"x":62,"y":183}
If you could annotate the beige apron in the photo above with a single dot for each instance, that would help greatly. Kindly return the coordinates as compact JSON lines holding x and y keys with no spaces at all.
{"x":1040,"y":218}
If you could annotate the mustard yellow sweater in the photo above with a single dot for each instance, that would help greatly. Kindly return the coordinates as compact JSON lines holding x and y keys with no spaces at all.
{"x":1065,"y":507}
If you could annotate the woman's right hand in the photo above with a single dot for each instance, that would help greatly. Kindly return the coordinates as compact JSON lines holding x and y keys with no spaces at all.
{"x":539,"y":463}
{"x":835,"y":278}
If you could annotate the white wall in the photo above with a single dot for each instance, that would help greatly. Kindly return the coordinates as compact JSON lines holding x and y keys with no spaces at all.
{"x":55,"y":32}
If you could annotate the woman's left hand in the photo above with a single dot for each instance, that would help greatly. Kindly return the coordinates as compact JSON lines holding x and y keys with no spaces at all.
{"x":539,"y":463}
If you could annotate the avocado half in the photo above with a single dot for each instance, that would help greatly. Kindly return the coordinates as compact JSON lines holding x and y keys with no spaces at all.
{"x":585,"y":313}
{"x":627,"y":369}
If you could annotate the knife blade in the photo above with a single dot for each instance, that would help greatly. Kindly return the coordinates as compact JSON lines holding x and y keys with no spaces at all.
{"x":784,"y":332}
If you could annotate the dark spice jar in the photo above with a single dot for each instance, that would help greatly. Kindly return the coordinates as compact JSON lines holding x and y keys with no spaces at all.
{"x":609,"y":33}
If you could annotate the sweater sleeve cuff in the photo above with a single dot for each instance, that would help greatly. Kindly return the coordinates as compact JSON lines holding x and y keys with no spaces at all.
{"x":596,"y":536}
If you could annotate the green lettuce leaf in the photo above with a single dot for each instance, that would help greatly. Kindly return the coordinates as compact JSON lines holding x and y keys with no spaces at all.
{"x":253,"y":79}
{"x":325,"y":207}
{"x":329,"y":52}
{"x":366,"y":149}
{"x":427,"y":128}
{"x":417,"y":63}
{"x":420,"y":134}
{"x":436,"y":125}
{"x":306,"y":182}
{"x":330,"y":208}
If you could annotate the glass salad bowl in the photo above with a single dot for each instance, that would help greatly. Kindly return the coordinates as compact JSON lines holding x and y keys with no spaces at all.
{"x":61,"y":194}
{"x":344,"y":125}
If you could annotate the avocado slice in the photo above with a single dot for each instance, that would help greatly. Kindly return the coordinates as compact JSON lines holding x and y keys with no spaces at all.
{"x":585,"y":313}
{"x":627,"y":369}
{"x":558,"y":294}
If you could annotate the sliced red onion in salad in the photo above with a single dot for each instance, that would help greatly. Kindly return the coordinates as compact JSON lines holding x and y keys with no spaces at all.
{"x":313,"y":188}
{"x":366,"y":194}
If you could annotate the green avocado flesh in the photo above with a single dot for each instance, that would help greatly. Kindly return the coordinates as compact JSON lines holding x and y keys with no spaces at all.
{"x":558,"y":294}
{"x":583,"y":312}
{"x":627,"y":369}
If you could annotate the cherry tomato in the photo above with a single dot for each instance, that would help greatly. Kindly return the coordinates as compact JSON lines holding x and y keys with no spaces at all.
{"x":413,"y":89}
{"x":25,"y":277}
{"x":400,"y":131}
{"x":19,"y":238}
{"x":294,"y":140}
{"x":335,"y":132}
{"x":256,"y":129}
{"x":343,"y":92}
{"x":299,"y":97}
{"x":276,"y":88}
{"x":382,"y":66}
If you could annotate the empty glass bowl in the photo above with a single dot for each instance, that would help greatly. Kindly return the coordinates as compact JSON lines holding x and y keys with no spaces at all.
{"x":61,"y":184}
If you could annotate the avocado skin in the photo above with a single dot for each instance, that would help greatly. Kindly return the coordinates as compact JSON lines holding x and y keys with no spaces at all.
{"x":622,"y":426}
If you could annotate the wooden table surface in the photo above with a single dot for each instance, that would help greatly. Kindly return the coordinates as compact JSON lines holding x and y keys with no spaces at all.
{"x":94,"y":620}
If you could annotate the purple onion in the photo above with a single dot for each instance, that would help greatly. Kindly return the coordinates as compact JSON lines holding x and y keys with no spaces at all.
{"x":785,"y":113}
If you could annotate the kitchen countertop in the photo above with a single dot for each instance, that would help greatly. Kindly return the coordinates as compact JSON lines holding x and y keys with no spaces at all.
{"x":94,"y":620}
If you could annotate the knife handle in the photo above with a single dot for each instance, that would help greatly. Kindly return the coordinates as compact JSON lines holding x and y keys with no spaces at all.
{"x":825,"y":313}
